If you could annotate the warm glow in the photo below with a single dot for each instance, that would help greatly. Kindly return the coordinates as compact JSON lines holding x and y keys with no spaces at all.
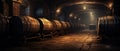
{"x":91,"y":13}
{"x":84,"y":7}
{"x":47,"y":24}
{"x":110,"y":5}
{"x":84,"y":38}
{"x":75,"y":17}
{"x":58,"y":10}
{"x":90,"y":39}
{"x":86,"y":2}
{"x":71,"y":15}
{"x":19,"y":1}
{"x":92,"y":18}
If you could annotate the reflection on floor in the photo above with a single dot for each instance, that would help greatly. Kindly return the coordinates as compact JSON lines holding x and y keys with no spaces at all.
{"x":82,"y":41}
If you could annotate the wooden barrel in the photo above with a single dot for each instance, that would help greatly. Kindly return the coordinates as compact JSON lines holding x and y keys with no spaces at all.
{"x":64,"y":25}
{"x":79,"y":27}
{"x":100,"y":25}
{"x":4,"y":24}
{"x":72,"y":25}
{"x":103,"y":23}
{"x":47,"y":24}
{"x":68,"y":25}
{"x":109,"y":26}
{"x":58,"y":24}
{"x":24,"y":25}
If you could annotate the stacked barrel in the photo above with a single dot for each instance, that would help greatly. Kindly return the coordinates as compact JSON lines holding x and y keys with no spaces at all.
{"x":47,"y":27}
{"x":58,"y":25}
{"x":27,"y":27}
{"x":24,"y":25}
{"x":109,"y":27}
{"x":4,"y":29}
{"x":4,"y":25}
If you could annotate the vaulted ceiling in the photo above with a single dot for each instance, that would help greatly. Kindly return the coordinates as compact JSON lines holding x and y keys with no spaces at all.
{"x":61,"y":2}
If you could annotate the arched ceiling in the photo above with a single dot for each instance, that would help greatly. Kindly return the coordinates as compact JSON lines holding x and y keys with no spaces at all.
{"x":58,"y":3}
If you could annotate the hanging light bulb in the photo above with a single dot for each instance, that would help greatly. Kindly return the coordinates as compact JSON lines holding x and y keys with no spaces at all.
{"x":84,"y":7}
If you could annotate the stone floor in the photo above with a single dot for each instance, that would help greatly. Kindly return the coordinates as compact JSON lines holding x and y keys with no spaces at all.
{"x":82,"y":41}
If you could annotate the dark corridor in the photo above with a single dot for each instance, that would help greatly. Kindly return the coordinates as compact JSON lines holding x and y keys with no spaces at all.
{"x":59,"y":25}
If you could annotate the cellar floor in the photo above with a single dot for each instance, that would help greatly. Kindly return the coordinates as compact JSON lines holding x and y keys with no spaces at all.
{"x":82,"y":41}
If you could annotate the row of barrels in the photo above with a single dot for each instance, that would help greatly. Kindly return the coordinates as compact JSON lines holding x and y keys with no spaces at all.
{"x":26,"y":25}
{"x":109,"y":28}
{"x":29,"y":25}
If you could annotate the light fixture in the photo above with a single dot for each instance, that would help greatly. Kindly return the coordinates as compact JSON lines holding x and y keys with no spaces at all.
{"x":110,"y":5}
{"x":58,"y":10}
{"x":75,"y":17}
{"x":91,"y":13}
{"x":84,"y":7}
{"x":78,"y":18}
{"x":71,"y":15}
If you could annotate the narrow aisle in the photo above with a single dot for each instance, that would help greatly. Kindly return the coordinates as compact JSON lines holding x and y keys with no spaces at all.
{"x":83,"y":41}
